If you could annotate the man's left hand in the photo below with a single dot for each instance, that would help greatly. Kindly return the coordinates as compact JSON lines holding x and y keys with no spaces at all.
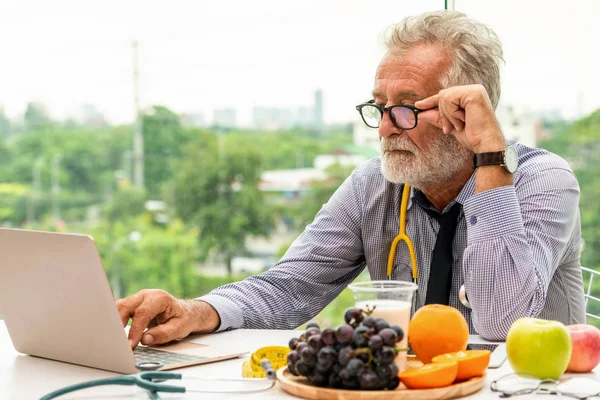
{"x":467,"y":113}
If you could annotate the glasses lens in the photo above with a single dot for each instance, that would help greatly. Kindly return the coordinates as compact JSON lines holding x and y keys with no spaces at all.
{"x":579,"y":387}
{"x":405,"y":117}
{"x":371,"y":115}
{"x":516,"y":383}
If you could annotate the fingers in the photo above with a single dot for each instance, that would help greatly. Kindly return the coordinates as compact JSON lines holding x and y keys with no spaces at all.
{"x":126,"y":307}
{"x":446,"y":124}
{"x":153,"y":304}
{"x":432,"y":117}
{"x":429,"y":102}
{"x":451,"y":117}
{"x":173,"y":329}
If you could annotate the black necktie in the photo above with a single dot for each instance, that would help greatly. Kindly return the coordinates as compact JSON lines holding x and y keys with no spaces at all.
{"x":440,"y":272}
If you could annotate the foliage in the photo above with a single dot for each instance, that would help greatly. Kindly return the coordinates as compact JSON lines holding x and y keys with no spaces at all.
{"x":580,"y":145}
{"x":5,"y":125}
{"x":138,"y":255}
{"x":215,"y":189}
{"x":164,"y":138}
{"x":125,"y":204}
{"x":36,"y":116}
{"x":11,"y":195}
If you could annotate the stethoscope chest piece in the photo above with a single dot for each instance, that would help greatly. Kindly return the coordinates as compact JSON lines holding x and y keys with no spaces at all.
{"x":462,"y":296}
{"x":149,"y":365}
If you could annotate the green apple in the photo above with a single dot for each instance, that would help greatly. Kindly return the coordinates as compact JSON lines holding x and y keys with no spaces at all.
{"x":539,"y":347}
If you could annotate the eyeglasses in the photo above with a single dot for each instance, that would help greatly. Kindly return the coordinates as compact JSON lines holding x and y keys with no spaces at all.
{"x":403,"y":117}
{"x":516,"y":384}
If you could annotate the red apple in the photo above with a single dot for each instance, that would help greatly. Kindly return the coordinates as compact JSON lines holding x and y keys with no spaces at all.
{"x":586,"y":347}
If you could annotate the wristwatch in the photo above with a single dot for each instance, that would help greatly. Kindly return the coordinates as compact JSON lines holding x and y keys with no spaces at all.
{"x":507,"y":158}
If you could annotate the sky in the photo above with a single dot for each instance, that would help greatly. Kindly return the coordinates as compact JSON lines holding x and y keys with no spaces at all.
{"x":201,"y":55}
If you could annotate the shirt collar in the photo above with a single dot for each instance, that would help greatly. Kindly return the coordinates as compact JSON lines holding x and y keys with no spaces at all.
{"x":467,"y":191}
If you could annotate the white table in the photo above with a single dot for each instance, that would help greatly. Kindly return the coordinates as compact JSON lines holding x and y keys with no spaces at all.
{"x":26,"y":377}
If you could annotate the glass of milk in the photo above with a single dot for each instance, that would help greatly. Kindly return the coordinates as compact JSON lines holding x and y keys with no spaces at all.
{"x":392,"y":301}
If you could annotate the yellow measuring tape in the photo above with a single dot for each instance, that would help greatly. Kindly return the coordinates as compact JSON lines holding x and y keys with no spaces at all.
{"x":277,"y":355}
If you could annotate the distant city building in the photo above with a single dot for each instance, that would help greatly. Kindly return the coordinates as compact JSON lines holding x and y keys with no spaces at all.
{"x":292,"y":181}
{"x":193,"y":119}
{"x":364,"y":136}
{"x":285,"y":118}
{"x":225,"y":117}
{"x":305,"y":117}
{"x":346,"y":156}
{"x":89,"y":115}
{"x":318,"y":108}
{"x":272,"y":117}
{"x":522,"y":126}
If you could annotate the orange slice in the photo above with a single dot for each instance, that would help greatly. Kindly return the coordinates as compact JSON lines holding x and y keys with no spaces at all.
{"x":429,"y":376}
{"x":471,"y":363}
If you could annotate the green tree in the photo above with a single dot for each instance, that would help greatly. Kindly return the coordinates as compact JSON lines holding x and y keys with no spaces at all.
{"x":163,"y":140}
{"x":579,"y":144}
{"x":4,"y":124}
{"x":216,"y":191}
{"x":138,"y":255}
{"x":36,"y":116}
{"x":126,"y":203}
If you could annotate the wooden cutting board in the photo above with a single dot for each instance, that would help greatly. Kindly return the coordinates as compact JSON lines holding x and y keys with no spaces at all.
{"x":300,"y":386}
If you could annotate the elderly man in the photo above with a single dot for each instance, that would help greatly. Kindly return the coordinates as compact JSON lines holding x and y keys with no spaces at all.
{"x":498,"y":217}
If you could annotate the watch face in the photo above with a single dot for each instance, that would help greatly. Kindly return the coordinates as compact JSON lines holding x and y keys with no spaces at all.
{"x":511,"y":159}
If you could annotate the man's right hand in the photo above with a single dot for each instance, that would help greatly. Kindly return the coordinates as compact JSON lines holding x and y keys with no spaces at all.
{"x":166,"y":317}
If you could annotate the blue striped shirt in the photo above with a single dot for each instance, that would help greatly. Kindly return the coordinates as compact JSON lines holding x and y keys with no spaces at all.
{"x":516,"y":249}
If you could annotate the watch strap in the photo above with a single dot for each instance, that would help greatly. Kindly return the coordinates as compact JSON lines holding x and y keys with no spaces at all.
{"x":491,"y":158}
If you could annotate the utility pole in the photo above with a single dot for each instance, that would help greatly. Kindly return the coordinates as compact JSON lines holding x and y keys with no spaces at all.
{"x":36,"y":189}
{"x":56,"y":188}
{"x":138,"y":139}
{"x":127,"y":165}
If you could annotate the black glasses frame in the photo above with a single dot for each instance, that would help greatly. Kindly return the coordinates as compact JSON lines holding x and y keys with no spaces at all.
{"x":382,"y":110}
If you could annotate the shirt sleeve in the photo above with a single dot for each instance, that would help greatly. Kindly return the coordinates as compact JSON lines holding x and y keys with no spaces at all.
{"x":515,"y":241}
{"x":324,"y":259}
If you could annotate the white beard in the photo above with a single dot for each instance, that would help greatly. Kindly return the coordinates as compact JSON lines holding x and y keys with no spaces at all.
{"x":439,"y":163}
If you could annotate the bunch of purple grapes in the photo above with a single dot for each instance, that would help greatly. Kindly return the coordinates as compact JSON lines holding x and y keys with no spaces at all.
{"x":358,"y":355}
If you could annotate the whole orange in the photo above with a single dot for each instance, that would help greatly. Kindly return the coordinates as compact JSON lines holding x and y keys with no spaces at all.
{"x":437,"y":329}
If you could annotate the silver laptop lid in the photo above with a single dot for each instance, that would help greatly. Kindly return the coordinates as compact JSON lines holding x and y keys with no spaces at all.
{"x":56,"y":300}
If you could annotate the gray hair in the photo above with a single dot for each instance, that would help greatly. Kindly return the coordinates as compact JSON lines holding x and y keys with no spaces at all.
{"x":475,"y":48}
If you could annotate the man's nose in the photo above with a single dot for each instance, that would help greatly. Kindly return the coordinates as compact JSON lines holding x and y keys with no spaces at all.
{"x":387,"y":127}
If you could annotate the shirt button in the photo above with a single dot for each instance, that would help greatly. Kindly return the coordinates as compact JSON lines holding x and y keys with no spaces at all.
{"x":473,"y":220}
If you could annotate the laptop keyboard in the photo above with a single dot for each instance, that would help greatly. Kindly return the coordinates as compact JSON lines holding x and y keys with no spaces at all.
{"x":149,"y":354}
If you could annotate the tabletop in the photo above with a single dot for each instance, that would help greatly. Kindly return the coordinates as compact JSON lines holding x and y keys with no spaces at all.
{"x":27,"y":377}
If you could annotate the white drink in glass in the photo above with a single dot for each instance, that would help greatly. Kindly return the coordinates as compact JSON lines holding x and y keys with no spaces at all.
{"x":395,"y":312}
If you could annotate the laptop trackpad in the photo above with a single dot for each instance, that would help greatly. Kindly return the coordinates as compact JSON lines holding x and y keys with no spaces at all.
{"x":183,"y":347}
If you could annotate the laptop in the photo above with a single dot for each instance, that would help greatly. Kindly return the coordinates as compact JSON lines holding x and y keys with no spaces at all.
{"x":57,"y":304}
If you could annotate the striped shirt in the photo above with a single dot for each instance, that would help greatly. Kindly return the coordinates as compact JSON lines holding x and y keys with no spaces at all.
{"x":516,"y":250}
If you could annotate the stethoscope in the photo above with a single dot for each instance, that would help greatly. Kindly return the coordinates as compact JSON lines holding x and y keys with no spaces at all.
{"x":403,"y":237}
{"x":151,"y":380}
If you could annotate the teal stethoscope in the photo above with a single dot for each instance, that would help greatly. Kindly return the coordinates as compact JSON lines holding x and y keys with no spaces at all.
{"x":403,"y":237}
{"x":150,"y":380}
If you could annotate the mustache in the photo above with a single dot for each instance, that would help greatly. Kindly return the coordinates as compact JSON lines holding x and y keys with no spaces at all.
{"x":398,"y":142}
